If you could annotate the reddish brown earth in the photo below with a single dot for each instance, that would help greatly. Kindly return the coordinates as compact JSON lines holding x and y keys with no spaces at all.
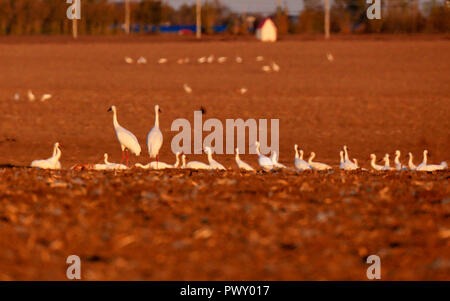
{"x":376,"y":96}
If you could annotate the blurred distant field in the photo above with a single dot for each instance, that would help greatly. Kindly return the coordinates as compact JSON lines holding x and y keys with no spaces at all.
{"x":377,"y":96}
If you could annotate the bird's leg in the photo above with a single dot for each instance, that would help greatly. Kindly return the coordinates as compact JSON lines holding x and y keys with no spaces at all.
{"x":127,"y":157}
{"x":123,"y":157}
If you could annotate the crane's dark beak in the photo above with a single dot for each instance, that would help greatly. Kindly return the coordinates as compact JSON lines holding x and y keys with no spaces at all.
{"x":159,"y":110}
{"x":109,"y":110}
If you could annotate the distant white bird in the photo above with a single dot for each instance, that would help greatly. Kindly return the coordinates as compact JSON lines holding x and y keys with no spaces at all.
{"x":202,"y":60}
{"x":263,"y":161}
{"x":266,"y":68}
{"x":259,"y":58}
{"x":330,"y":57}
{"x":31,"y":96}
{"x":424,"y":166}
{"x":275,"y":161}
{"x":193,"y":164}
{"x":155,"y":137}
{"x":180,"y":61}
{"x":387,"y":165}
{"x":411,"y":165}
{"x":187,"y":89}
{"x":398,"y":164}
{"x":424,"y":161}
{"x":317,"y":165}
{"x":17,"y":96}
{"x":142,"y":60}
{"x":46,"y":97}
{"x":50,"y":163}
{"x":213,"y":164}
{"x":349,"y":164}
{"x":299,"y":163}
{"x":238,"y":59}
{"x":127,"y":139}
{"x":162,"y":60}
{"x":160,"y":165}
{"x":346,"y":164}
{"x":375,"y":166}
{"x":210,"y":59}
{"x":128,"y":60}
{"x":243,"y":90}
{"x":275,"y":67}
{"x":109,"y":165}
{"x":221,"y":60}
{"x":241,"y":164}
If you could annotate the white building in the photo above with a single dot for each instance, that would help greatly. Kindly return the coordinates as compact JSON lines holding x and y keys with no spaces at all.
{"x":266,"y":31}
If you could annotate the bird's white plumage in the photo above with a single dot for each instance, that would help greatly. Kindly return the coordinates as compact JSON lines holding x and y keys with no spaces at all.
{"x":375,"y":166}
{"x":263,"y":161}
{"x":155,"y":137}
{"x":275,"y":162}
{"x":193,"y":164}
{"x":299,"y":163}
{"x":411,"y":165}
{"x":50,"y":163}
{"x":241,"y":164}
{"x":317,"y":165}
{"x":126,"y":138}
{"x":213,"y":164}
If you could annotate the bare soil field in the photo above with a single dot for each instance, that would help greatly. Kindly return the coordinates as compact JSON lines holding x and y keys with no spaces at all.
{"x":377,"y":96}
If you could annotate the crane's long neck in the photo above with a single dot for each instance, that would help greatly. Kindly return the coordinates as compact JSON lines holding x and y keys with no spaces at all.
{"x":115,"y":122}
{"x":296,"y":152}
{"x":210,"y":158}
{"x":397,"y":158}
{"x":156,"y":118}
{"x":346,"y":154}
{"x":257,"y":149}
{"x":410,"y":162}
{"x":424,"y":158}
{"x":274,"y":157}
{"x":372,"y":162}
{"x":183,"y":159}
{"x":341,"y":154}
{"x":58,"y":153}
{"x":55,"y":150}
{"x":386,"y":161}
{"x":177,"y":161}
{"x":237,"y":156}
{"x":301,"y":155}
{"x":106,"y":158}
{"x":311,"y":157}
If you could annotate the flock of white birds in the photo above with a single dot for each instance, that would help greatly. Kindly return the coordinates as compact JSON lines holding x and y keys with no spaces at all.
{"x":31,"y":97}
{"x":129,"y":143}
{"x":269,"y":67}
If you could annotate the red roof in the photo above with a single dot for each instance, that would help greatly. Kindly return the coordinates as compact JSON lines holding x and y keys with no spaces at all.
{"x":261,"y":24}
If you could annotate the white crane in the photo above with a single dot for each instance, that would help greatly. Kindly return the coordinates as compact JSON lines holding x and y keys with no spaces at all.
{"x":193,"y":164}
{"x":398,"y":164}
{"x":411,"y":165}
{"x":213,"y":164}
{"x":299,"y":163}
{"x":275,"y":161}
{"x":52,"y":162}
{"x":31,"y":96}
{"x":263,"y":161}
{"x":155,"y":138}
{"x":317,"y":165}
{"x":187,"y":89}
{"x":46,"y":97}
{"x":241,"y":164}
{"x":127,"y":139}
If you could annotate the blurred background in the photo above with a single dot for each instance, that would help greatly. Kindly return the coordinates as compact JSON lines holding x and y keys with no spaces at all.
{"x":225,"y":17}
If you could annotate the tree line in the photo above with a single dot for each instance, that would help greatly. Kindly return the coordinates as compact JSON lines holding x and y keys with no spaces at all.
{"x":28,"y":17}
